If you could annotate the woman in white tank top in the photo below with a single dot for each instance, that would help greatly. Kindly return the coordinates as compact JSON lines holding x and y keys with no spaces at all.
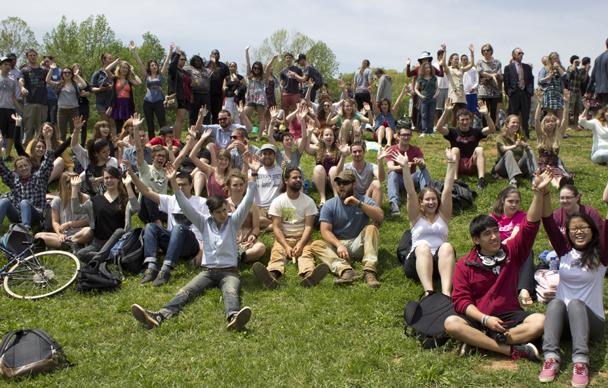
{"x":429,"y":213}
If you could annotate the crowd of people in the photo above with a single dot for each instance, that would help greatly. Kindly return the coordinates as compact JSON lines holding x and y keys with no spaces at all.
{"x":208,"y":194}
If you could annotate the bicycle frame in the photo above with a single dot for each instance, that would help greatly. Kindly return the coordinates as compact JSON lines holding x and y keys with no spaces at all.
{"x":14,"y":259}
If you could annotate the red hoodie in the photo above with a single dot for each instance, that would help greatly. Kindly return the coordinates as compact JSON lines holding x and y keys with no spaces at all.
{"x":491,"y":293}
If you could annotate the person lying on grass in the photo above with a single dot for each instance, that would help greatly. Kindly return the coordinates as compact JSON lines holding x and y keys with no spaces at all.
{"x":488,"y":314}
{"x":220,"y":256}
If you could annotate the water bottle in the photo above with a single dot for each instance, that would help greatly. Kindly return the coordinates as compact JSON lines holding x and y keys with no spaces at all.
{"x":306,"y":186}
{"x":554,"y":263}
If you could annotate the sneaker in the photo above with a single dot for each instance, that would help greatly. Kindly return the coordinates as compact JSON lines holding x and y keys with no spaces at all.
{"x":395,"y":211}
{"x":264,"y":276}
{"x":371,"y":280}
{"x":481,"y":183}
{"x":162,"y":278}
{"x":550,"y":369}
{"x":315,"y":276}
{"x":465,"y":349}
{"x":348,"y":276}
{"x":150,"y":319}
{"x":580,"y":375}
{"x":422,"y":135}
{"x":149,"y":275}
{"x":238,"y":320}
{"x":527,"y":351}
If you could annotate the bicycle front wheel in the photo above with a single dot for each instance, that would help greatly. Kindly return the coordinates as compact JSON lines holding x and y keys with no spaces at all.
{"x":42,"y":274}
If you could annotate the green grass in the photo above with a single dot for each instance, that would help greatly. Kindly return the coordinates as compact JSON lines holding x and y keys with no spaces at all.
{"x":324,"y":336}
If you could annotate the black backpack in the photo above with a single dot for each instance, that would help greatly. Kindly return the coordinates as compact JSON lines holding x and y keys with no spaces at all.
{"x":425,"y":319}
{"x":97,"y":276}
{"x":29,"y":352}
{"x":128,"y":252}
{"x":462,"y":195}
{"x":405,"y":246}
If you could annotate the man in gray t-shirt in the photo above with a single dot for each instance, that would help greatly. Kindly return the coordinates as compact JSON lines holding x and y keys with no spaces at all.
{"x":346,"y":233}
{"x":369,"y":175}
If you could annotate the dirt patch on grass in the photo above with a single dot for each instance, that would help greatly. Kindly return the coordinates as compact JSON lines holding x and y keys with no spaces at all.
{"x":501,"y":365}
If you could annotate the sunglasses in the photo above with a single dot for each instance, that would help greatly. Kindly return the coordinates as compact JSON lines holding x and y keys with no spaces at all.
{"x":343,"y":183}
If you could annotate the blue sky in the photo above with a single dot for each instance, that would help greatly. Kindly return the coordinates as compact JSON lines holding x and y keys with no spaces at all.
{"x":386,"y":32}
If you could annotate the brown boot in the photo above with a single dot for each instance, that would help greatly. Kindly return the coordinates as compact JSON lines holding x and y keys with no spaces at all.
{"x":264,"y":276}
{"x":348,"y":276}
{"x":371,"y":280}
{"x":315,"y":276}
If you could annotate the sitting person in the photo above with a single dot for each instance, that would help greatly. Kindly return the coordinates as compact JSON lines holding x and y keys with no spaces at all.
{"x":250,"y":249}
{"x":395,"y":173}
{"x":107,"y":212}
{"x":599,"y":127}
{"x":268,"y":183}
{"x":293,"y":216}
{"x":292,"y":150}
{"x":549,"y":131}
{"x":384,"y":123}
{"x":347,"y":233}
{"x":69,"y":229}
{"x":220,"y":257}
{"x":470,"y":157}
{"x":166,"y":138}
{"x":216,"y":173}
{"x":570,"y":204}
{"x":179,"y":240}
{"x":507,"y":212}
{"x":26,"y":200}
{"x":515,"y":156}
{"x":578,"y":305}
{"x":329,"y":155}
{"x":429,"y":214}
{"x":488,"y":315}
{"x":347,"y":114}
{"x":369,"y":175}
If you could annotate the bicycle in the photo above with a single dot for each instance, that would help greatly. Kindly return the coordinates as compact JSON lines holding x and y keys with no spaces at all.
{"x":31,"y":275}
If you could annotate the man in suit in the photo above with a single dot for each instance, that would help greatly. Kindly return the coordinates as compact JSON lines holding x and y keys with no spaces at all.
{"x":519,"y":86}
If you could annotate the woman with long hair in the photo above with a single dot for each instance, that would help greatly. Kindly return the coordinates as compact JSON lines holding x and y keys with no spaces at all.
{"x":599,"y":127}
{"x":293,"y":148}
{"x":217,"y":172}
{"x":68,"y":92}
{"x":108,"y":211}
{"x":515,"y":156}
{"x":154,"y":79}
{"x":429,"y":213}
{"x":233,"y":86}
{"x":347,"y":114}
{"x":549,"y":134}
{"x":455,"y":74}
{"x":250,"y":249}
{"x":122,"y":104}
{"x":551,"y":78}
{"x":570,"y":204}
{"x":508,"y":214}
{"x":578,"y":305}
{"x":426,"y":89}
{"x":69,"y":229}
{"x":257,"y":79}
{"x":362,"y":84}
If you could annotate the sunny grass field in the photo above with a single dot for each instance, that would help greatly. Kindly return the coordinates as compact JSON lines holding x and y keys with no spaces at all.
{"x":324,"y":336}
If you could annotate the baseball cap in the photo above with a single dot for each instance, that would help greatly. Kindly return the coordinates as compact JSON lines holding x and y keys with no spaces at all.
{"x":268,"y":147}
{"x":346,"y":176}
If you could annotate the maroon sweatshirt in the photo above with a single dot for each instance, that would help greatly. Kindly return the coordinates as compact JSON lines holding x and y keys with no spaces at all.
{"x":491,"y":293}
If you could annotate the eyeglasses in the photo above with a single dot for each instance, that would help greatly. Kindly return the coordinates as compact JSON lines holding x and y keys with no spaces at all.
{"x":519,"y":53}
{"x":579,"y":228}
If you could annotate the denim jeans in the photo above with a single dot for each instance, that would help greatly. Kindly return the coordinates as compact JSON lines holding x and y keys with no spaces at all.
{"x":584,"y":326}
{"x":228,"y":281}
{"x":395,"y":186}
{"x":427,"y":114}
{"x":25,"y":214}
{"x":179,"y":242}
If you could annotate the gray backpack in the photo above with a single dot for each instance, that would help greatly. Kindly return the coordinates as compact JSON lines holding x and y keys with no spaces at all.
{"x":29,"y":352}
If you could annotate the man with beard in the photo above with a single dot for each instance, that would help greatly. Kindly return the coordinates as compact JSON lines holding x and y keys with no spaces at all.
{"x":222,"y":132}
{"x":346,"y":233}
{"x":219,"y":73}
{"x":369,"y":175}
{"x":268,"y":182}
{"x":293,"y":217}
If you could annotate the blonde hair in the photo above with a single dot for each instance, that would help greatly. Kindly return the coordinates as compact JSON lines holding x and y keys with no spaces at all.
{"x":504,"y":131}
{"x":549,"y":141}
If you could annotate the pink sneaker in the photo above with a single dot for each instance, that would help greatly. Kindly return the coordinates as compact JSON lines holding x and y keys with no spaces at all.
{"x":550,"y":369}
{"x":580,"y":375}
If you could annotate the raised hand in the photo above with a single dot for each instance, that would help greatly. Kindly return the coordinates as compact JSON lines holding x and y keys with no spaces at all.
{"x":132,"y":45}
{"x":76,"y":70}
{"x":172,"y":46}
{"x":137,"y":120}
{"x":450,"y":155}
{"x":170,"y":171}
{"x":401,"y":159}
{"x":482,"y":107}
{"x":240,"y":107}
{"x":541,"y":181}
{"x":383,"y":153}
{"x":202,"y":113}
{"x":126,"y":180}
{"x":17,"y":118}
{"x":449,"y":105}
{"x":47,"y":132}
{"x":273,"y":112}
{"x":471,"y":48}
{"x":75,"y":181}
{"x":343,"y":148}
{"x":407,"y":62}
{"x":367,"y":107}
{"x":254,"y":163}
{"x":207,"y":133}
{"x":53,"y":66}
{"x":78,"y":122}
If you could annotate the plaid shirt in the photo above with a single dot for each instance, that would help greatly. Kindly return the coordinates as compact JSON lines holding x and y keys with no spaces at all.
{"x":575,"y":79}
{"x":32,"y":188}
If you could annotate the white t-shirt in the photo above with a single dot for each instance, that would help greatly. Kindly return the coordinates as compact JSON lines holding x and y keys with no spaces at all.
{"x":442,"y":82}
{"x":269,"y":185}
{"x":169,"y":205}
{"x":293,"y":213}
{"x":581,"y":283}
